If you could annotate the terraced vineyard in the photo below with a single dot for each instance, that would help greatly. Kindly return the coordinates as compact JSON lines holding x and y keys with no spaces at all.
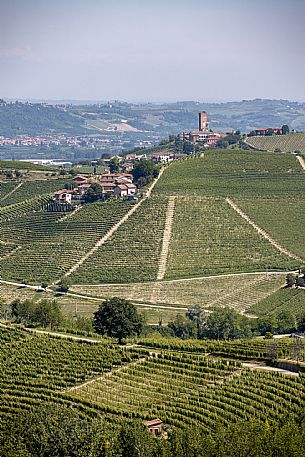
{"x":49,"y":245}
{"x":133,"y":252}
{"x":288,"y":143}
{"x":37,"y":369}
{"x":234,"y":173}
{"x":179,"y":387}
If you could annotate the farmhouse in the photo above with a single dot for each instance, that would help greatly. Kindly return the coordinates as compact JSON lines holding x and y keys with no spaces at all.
{"x":125,"y":190}
{"x":166,"y":157}
{"x":119,"y":184}
{"x":80,"y":180}
{"x":155,"y":426}
{"x":268,"y":131}
{"x":63,"y":196}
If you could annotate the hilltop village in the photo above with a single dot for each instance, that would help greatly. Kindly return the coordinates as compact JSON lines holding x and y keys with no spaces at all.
{"x":118,"y":179}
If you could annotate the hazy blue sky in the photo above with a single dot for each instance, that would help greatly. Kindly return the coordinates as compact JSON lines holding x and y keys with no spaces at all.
{"x":152,"y":50}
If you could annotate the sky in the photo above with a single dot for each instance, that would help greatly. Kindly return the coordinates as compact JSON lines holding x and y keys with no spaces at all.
{"x":152,"y":50}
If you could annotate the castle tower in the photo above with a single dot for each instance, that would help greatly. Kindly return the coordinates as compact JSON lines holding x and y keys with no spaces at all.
{"x":203,"y":121}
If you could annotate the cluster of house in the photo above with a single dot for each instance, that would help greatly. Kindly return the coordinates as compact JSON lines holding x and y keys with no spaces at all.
{"x":267,"y":131}
{"x":203,"y":134}
{"x":118,"y":184}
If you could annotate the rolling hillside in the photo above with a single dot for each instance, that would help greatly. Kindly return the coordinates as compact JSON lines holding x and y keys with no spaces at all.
{"x":287,"y":143}
{"x":168,"y":378}
{"x":209,"y":232}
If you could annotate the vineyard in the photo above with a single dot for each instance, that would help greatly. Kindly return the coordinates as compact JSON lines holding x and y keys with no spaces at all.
{"x":37,"y":369}
{"x":49,"y":245}
{"x":282,"y":218}
{"x":29,"y":190}
{"x":234,"y":173}
{"x":178,"y":381}
{"x":286,"y":143}
{"x":238,"y":292}
{"x":133,"y":252}
{"x":285,"y":300}
{"x":210,"y":238}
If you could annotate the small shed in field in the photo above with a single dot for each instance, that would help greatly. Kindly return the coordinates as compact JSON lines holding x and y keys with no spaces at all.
{"x":154,"y":426}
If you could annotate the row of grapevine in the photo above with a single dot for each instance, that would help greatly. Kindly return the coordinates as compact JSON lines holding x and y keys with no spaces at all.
{"x":290,"y":143}
{"x":210,"y":238}
{"x":133,"y":252}
{"x":232,"y":173}
{"x":240,"y":292}
{"x":48,"y":246}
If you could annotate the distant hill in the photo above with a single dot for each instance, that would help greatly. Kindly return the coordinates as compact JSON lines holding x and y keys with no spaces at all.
{"x":146,"y":119}
{"x":22,"y":118}
{"x":286,"y":143}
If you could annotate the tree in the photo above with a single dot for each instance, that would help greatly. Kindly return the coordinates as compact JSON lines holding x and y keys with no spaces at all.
{"x":223,"y":324}
{"x":198,"y":315}
{"x":222,"y":144}
{"x":183,"y":328}
{"x":44,"y":313}
{"x":290,"y":279}
{"x":22,"y":311}
{"x":117,"y":318}
{"x":285,"y":129}
{"x":47,"y":313}
{"x":114,"y":165}
{"x":63,"y":286}
{"x":145,"y":171}
{"x":300,"y":282}
{"x":94,"y":193}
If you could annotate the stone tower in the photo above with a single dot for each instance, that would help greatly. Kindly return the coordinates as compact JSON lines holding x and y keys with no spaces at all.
{"x":203,"y":121}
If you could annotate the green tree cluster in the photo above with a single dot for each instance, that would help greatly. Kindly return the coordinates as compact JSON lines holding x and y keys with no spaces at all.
{"x":219,"y":324}
{"x":144,"y":172}
{"x":60,"y":432}
{"x":45,"y":313}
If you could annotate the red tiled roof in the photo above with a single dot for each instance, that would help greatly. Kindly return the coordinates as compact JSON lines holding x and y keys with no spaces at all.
{"x":153,"y":422}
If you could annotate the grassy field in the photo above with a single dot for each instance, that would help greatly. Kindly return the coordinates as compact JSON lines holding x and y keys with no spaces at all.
{"x":286,"y":143}
{"x":234,"y":173}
